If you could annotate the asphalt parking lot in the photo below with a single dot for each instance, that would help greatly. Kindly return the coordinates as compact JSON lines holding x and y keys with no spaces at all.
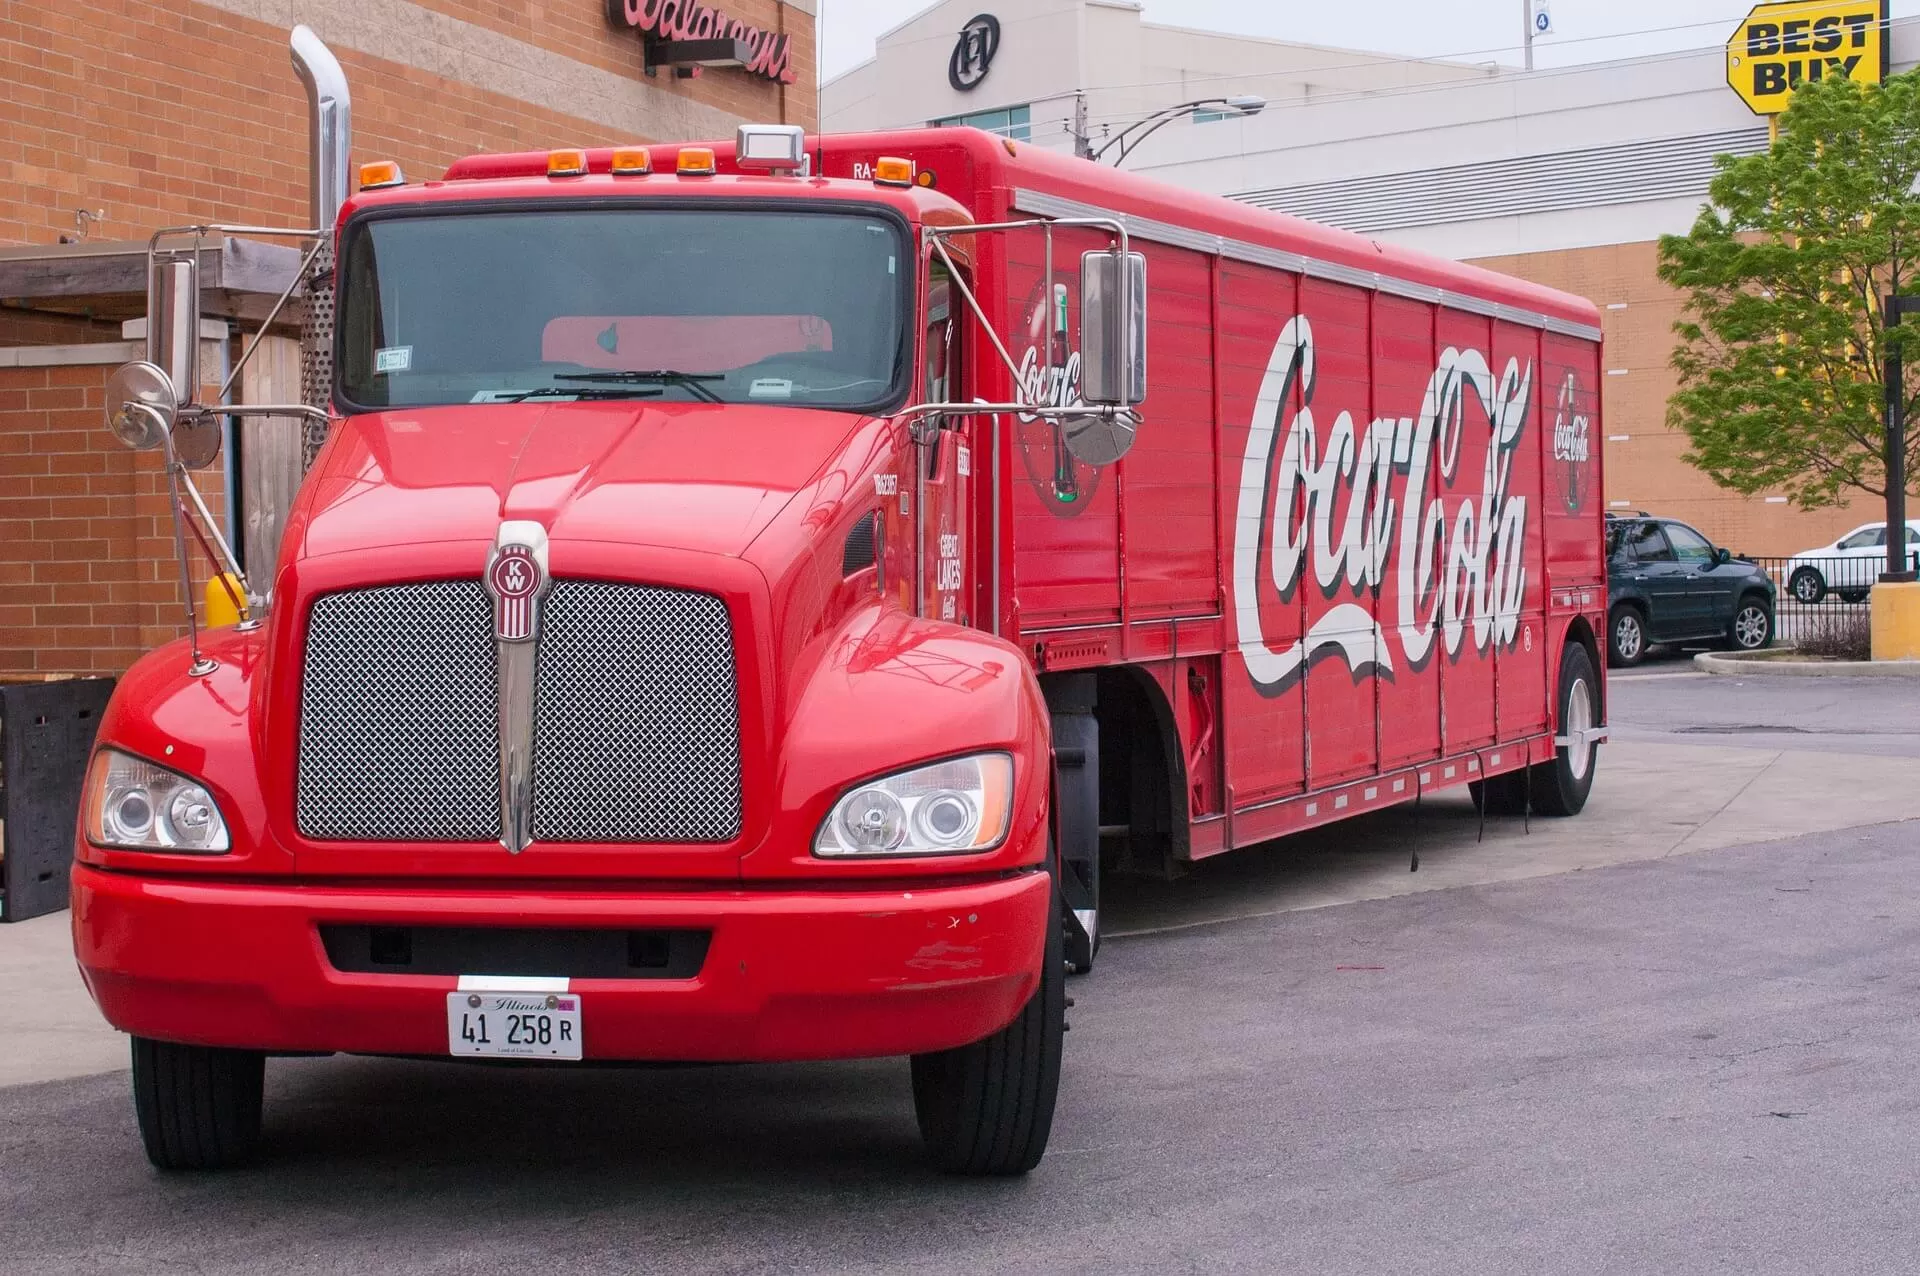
{"x":1671,"y":1035}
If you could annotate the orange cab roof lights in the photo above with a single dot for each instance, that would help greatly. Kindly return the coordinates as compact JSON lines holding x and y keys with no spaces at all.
{"x":695,"y":161}
{"x":569,"y":161}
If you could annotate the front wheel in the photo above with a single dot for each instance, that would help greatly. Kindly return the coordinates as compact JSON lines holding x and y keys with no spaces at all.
{"x":1752,"y":625}
{"x":1626,"y":637}
{"x":987,"y":1108}
{"x":1807,"y":586}
{"x":199,"y":1107}
{"x":1560,"y":787}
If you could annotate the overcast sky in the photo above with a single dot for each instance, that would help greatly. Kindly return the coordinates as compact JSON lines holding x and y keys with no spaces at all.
{"x":1477,"y":30}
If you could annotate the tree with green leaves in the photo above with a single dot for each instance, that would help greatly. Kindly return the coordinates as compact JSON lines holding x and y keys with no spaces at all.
{"x":1782,"y":346}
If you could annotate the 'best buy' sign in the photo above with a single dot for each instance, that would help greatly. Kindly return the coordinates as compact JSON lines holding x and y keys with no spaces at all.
{"x":1777,"y":47}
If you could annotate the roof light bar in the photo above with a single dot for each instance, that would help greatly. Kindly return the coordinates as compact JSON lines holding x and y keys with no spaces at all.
{"x":632,"y":161}
{"x":381,"y":174}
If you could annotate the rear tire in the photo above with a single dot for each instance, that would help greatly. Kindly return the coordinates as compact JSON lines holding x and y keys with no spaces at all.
{"x":987,"y":1108}
{"x":198,"y":1106}
{"x":1626,"y":637}
{"x":1560,"y":787}
{"x":1853,"y":595}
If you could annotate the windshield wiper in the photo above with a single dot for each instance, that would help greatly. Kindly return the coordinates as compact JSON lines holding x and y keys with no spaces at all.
{"x":691,"y":382}
{"x":572,"y":392}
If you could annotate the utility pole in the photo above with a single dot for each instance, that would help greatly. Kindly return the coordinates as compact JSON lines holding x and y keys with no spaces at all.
{"x":1526,"y":22}
{"x":1082,"y":144}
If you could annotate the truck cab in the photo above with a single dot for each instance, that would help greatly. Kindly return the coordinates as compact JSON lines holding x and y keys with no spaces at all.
{"x":614,"y":697}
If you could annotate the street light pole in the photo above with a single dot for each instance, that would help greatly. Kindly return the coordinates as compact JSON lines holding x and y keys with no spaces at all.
{"x":1126,"y":139}
{"x":1895,"y":461}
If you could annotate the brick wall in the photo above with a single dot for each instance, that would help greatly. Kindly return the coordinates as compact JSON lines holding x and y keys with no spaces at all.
{"x":1644,"y":468}
{"x":88,"y":574}
{"x":180,"y":111}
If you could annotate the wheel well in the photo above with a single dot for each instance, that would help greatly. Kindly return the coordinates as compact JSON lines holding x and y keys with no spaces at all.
{"x":1143,"y":774}
{"x":1581,"y":632}
{"x":1760,"y":594}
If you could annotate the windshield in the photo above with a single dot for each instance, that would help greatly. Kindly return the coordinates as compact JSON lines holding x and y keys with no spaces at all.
{"x":708,"y":305}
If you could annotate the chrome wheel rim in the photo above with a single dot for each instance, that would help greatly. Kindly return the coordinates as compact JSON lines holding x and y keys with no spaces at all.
{"x":1750,"y":627}
{"x":1579,"y":723}
{"x":1626,"y":637}
{"x":1806,"y":588}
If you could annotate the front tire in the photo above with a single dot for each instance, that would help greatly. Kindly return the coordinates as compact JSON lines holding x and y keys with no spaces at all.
{"x":1626,"y":637}
{"x":1752,"y":626}
{"x":1807,"y":586}
{"x":198,"y":1106}
{"x":1560,"y":787}
{"x":987,"y":1108}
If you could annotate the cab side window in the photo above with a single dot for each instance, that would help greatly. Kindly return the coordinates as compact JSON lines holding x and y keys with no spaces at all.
{"x":1649,"y":543}
{"x":1871,"y":538}
{"x":1689,"y":546}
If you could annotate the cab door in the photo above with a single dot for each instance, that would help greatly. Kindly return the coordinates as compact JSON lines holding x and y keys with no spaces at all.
{"x":944,"y":461}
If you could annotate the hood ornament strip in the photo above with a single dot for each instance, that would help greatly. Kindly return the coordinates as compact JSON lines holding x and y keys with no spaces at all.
{"x":517,"y":578}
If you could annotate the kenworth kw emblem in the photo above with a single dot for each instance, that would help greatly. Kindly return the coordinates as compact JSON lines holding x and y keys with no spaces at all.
{"x":517,"y":578}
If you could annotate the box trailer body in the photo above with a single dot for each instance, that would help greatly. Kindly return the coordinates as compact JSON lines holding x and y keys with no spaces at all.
{"x":697,"y":705}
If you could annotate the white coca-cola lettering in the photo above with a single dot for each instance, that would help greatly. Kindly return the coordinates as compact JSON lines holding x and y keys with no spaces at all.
{"x":1055,"y":388}
{"x":1569,"y":428}
{"x":1460,"y":574}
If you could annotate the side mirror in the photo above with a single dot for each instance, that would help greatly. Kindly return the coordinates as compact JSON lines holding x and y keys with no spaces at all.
{"x":140,"y":405}
{"x":1113,"y":328}
{"x":173,"y":324}
{"x":1721,"y":557}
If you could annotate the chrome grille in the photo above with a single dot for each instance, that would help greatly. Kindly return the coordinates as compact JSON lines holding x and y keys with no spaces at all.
{"x":399,"y":734}
{"x":636,"y":726}
{"x":636,"y":721}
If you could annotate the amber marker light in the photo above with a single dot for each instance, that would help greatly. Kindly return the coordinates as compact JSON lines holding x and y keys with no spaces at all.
{"x":891,"y":170}
{"x":571,"y":162}
{"x":632,"y":161}
{"x":695,"y":161}
{"x":381,"y":174}
{"x":925,"y":178}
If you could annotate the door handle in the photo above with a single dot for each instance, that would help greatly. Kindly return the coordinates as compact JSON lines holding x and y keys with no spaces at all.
{"x":1639,"y":577}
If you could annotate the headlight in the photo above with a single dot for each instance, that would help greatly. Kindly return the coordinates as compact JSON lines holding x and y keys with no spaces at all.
{"x":947,"y":808}
{"x":138,"y":806}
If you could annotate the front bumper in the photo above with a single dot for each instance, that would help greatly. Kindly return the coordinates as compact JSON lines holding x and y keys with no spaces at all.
{"x":790,"y":973}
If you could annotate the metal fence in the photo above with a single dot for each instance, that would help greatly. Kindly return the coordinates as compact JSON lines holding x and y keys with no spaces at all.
{"x":1822,"y":603}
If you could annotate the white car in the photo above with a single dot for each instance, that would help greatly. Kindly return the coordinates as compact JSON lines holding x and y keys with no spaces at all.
{"x":1849,"y":566}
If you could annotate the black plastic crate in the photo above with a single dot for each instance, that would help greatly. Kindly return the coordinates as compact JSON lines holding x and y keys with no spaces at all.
{"x":46,"y":732}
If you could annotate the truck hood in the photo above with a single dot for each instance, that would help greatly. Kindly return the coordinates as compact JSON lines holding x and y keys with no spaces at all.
{"x":704,"y":477}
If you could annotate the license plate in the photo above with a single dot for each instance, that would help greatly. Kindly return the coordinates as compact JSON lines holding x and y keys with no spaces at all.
{"x":514,"y":1025}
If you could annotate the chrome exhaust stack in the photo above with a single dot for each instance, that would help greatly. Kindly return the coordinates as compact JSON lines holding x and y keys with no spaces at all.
{"x":329,"y":182}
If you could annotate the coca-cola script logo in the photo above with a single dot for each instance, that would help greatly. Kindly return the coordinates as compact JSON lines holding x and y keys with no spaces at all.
{"x":769,"y":54}
{"x":1460,"y":572}
{"x":1064,"y":483}
{"x":1570,"y":446}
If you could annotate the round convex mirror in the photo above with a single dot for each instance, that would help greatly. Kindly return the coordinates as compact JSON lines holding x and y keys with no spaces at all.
{"x":196,"y":439}
{"x":140,"y":405}
{"x":1099,"y":440}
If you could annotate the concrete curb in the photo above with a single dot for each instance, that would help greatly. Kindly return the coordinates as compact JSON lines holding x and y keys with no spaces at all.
{"x":1761,"y":664}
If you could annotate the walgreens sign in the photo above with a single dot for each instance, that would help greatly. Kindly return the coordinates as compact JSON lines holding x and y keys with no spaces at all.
{"x":763,"y":53}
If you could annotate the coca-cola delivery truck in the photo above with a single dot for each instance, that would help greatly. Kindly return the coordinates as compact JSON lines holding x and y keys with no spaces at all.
{"x":745,"y":594}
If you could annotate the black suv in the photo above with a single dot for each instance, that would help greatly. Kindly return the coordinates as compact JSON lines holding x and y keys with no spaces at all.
{"x":1668,"y":583}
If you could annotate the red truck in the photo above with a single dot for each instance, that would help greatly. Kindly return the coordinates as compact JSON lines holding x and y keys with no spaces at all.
{"x":748,"y":592}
